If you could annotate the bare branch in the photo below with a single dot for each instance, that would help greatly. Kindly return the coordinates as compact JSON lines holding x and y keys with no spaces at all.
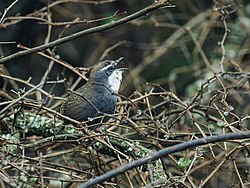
{"x":165,"y":152}
{"x":86,"y":32}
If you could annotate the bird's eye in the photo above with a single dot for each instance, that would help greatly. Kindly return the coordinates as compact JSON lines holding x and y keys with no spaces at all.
{"x":111,"y":68}
{"x":108,"y":69}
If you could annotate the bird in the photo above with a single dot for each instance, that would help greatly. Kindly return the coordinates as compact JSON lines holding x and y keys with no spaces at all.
{"x":97,"y":97}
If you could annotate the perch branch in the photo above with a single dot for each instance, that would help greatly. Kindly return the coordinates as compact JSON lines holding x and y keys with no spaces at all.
{"x":164,"y":152}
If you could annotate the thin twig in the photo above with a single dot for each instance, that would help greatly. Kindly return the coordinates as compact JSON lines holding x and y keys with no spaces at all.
{"x":6,"y":10}
{"x":86,"y":32}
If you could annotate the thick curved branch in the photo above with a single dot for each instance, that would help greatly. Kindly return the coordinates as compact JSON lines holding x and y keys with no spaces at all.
{"x":89,"y":31}
{"x":164,"y":152}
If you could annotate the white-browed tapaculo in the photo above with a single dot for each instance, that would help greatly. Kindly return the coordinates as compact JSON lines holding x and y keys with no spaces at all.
{"x":97,"y":97}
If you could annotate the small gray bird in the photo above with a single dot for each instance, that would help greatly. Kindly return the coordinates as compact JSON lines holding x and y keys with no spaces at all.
{"x":97,"y":97}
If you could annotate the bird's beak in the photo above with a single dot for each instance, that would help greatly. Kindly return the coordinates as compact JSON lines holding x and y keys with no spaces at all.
{"x":118,"y":60}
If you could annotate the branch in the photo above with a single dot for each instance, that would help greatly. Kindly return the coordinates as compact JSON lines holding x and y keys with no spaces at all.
{"x":150,"y":8}
{"x":164,"y":152}
{"x":6,"y":10}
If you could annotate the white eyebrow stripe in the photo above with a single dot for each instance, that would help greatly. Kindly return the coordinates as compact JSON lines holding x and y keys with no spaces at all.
{"x":105,"y":68}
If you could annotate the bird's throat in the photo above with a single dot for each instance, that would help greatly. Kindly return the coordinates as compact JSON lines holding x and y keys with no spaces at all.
{"x":114,"y":80}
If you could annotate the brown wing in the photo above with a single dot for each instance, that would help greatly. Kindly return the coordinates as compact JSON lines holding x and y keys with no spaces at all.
{"x":77,"y":107}
{"x":85,"y":106}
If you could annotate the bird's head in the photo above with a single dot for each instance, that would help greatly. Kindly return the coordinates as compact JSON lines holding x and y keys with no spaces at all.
{"x":106,"y":72}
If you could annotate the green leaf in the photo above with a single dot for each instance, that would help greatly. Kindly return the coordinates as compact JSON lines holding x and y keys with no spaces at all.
{"x":184,"y":162}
